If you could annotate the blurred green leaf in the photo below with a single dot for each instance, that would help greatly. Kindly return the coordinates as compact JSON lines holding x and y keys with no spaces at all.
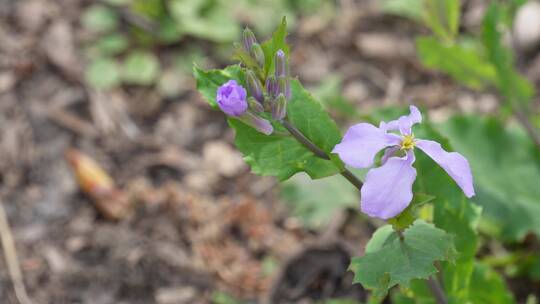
{"x":112,"y":44}
{"x":487,"y":286}
{"x":316,"y":202}
{"x":464,"y":63}
{"x":515,"y":88}
{"x":442,"y":17}
{"x":100,"y":19}
{"x":140,"y":67}
{"x":103,"y":73}
{"x":205,"y":19}
{"x":389,"y":261}
{"x":219,"y":297}
{"x":413,"y":9}
{"x":506,"y":170}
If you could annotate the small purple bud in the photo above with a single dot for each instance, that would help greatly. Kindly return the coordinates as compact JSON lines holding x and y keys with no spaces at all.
{"x":284,"y":86}
{"x":255,"y":106}
{"x":231,"y":98}
{"x":254,"y":86}
{"x":272,"y":86}
{"x":279,"y":108}
{"x":249,"y":39}
{"x":258,"y":123}
{"x":256,"y":52}
{"x":281,"y":64}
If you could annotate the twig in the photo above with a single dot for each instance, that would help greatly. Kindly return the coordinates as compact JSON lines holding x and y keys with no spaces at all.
{"x":318,"y":152}
{"x":12,"y":261}
{"x":437,"y":291}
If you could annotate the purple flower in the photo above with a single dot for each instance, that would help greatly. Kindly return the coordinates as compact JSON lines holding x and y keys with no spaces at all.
{"x":387,"y":190}
{"x":231,"y":98}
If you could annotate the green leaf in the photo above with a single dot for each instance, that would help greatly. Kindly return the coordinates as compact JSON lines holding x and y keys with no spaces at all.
{"x":316,"y":202}
{"x":389,"y":261}
{"x":209,"y":81}
{"x":442,"y":17}
{"x":100,"y":19}
{"x":516,"y":89}
{"x":103,"y":73}
{"x":271,"y":46}
{"x":205,"y":19}
{"x":452,"y":211}
{"x":487,"y":286}
{"x":408,"y":216}
{"x":112,"y":44}
{"x":506,"y":170}
{"x":462,"y":62}
{"x":412,"y":9}
{"x":141,"y":68}
{"x":282,"y":156}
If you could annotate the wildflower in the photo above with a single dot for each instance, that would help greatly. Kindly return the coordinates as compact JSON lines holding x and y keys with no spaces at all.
{"x":232,"y":100}
{"x":387,"y":190}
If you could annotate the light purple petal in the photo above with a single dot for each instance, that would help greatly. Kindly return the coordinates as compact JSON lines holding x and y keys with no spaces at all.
{"x":453,"y":163}
{"x":404,"y":123}
{"x":387,"y":189}
{"x":361,"y":143}
{"x":388,"y":153}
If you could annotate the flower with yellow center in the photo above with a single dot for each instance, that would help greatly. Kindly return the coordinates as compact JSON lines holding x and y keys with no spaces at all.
{"x":408,"y":142}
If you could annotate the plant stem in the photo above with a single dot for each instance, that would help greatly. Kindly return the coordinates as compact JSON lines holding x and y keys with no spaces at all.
{"x":437,"y":291}
{"x":301,"y":138}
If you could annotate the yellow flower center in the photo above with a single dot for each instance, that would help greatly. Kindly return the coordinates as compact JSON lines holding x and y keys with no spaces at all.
{"x":408,"y":142}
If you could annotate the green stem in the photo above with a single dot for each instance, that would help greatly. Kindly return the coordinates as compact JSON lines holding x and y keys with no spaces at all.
{"x":301,"y":138}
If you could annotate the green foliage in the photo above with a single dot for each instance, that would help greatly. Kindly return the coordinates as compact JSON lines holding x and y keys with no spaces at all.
{"x":487,"y":286}
{"x":282,"y":156}
{"x":408,"y":216}
{"x":506,"y":169}
{"x":100,"y":19}
{"x":464,"y":62}
{"x":316,"y":202}
{"x":442,"y":17}
{"x":389,"y":260}
{"x":111,"y":45}
{"x":140,"y":68}
{"x":412,"y":9}
{"x":271,"y":46}
{"x":103,"y":73}
{"x":514,"y":87}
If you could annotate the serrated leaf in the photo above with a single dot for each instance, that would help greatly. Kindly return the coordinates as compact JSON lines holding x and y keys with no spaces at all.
{"x":282,"y":156}
{"x":506,"y":169}
{"x":141,"y":68}
{"x":463,"y":63}
{"x":209,"y":81}
{"x":392,"y":261}
{"x":100,"y":19}
{"x":103,"y":73}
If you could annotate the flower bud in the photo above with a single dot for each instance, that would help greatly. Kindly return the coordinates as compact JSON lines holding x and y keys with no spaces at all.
{"x":256,"y":52}
{"x":258,"y":123}
{"x":272,"y":86}
{"x":284,"y":86}
{"x":249,"y":39}
{"x":231,"y":98}
{"x":254,"y":86}
{"x":279,"y":107}
{"x":281,"y":64}
{"x":255,"y":106}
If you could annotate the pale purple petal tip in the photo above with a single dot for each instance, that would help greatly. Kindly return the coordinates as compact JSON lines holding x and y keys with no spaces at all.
{"x":453,"y":163}
{"x":361,"y":143}
{"x":258,"y":123}
{"x":404,"y":123}
{"x":387,"y":190}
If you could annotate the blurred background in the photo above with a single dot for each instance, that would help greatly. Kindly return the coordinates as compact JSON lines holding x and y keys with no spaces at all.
{"x":121,"y":185}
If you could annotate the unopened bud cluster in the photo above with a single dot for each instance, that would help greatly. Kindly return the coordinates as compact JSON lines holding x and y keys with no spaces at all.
{"x":264,"y":93}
